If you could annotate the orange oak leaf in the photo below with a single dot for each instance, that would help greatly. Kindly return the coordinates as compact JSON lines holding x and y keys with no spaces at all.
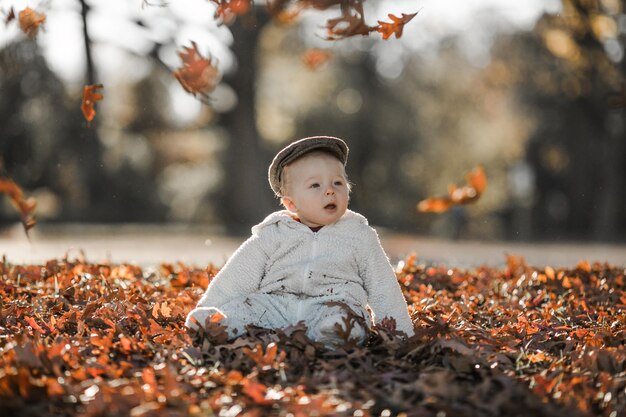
{"x":26,"y":207}
{"x":469,"y":193}
{"x":314,"y":58}
{"x":396,"y":26}
{"x":30,"y":21}
{"x":90,"y":96}
{"x":198,"y":75}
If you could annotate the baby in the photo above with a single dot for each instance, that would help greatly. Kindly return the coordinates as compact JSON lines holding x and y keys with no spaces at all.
{"x":313,"y":262}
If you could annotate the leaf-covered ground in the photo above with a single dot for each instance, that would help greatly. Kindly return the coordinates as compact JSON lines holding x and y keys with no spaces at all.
{"x":85,"y":339}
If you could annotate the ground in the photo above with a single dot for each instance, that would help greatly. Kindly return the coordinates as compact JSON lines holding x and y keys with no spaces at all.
{"x":107,"y":339}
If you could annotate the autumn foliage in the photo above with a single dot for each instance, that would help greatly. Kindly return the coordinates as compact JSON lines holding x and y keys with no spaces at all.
{"x":88,"y":339}
{"x":468,"y":193}
{"x":90,"y":97}
{"x":25,"y":206}
{"x":198,"y":75}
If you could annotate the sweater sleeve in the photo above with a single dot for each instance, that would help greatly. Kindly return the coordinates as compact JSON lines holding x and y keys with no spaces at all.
{"x":381,"y":284}
{"x":240,"y":276}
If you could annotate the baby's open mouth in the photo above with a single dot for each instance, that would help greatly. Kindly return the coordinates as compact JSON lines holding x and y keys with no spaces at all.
{"x":330,"y":206}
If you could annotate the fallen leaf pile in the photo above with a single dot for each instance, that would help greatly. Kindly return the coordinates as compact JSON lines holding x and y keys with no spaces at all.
{"x":88,"y":339}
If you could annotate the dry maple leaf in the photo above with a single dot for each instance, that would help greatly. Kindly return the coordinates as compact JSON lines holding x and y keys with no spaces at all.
{"x":198,"y":75}
{"x":469,"y":193}
{"x":90,"y":96}
{"x":395,"y":27}
{"x":26,"y":207}
{"x":30,"y":21}
{"x":314,"y":58}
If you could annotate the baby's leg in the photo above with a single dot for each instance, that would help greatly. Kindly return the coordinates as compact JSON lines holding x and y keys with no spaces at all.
{"x":262,"y":310}
{"x":334,"y":324}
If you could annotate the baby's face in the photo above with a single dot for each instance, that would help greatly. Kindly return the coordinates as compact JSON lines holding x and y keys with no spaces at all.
{"x":316,"y":189}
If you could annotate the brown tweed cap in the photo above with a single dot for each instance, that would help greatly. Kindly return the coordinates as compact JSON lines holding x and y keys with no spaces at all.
{"x":295,"y":150}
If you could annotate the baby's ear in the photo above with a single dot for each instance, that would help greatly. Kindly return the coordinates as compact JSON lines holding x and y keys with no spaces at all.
{"x":288,"y":203}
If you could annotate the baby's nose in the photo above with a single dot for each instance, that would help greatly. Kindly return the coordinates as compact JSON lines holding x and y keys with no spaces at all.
{"x":330,"y":191}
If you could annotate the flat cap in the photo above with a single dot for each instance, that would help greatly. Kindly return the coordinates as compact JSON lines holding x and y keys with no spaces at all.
{"x":295,"y":150}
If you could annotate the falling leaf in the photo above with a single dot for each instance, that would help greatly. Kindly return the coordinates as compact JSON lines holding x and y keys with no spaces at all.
{"x":469,"y":193}
{"x":90,"y":96}
{"x":395,"y":27}
{"x":350,"y":23}
{"x":314,"y":58}
{"x":227,"y":10}
{"x":30,"y":21}
{"x":10,"y":16}
{"x":198,"y":75}
{"x":26,"y":207}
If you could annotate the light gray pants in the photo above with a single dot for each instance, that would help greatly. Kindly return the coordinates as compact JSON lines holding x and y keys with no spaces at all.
{"x":279,"y":311}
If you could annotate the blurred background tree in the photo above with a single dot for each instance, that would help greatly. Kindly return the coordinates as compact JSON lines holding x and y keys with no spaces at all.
{"x":541,"y":108}
{"x":569,"y":72}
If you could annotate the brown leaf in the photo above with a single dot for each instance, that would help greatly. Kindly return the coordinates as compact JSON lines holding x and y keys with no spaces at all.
{"x":10,"y":16}
{"x":350,"y":23}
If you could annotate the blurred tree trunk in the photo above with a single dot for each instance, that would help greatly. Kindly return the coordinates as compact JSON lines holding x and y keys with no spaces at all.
{"x":245,"y":197}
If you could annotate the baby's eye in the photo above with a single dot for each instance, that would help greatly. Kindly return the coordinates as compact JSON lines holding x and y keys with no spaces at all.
{"x":339,"y":183}
{"x":314,"y":185}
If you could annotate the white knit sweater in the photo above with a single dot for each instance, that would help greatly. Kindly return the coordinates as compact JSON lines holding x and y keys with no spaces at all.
{"x":343,"y":262}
